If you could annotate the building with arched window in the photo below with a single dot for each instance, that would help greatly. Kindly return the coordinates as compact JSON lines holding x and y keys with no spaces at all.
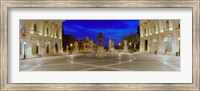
{"x":40,"y":38}
{"x":160,"y":36}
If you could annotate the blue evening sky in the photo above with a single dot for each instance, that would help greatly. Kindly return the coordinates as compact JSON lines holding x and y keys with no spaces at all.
{"x":111,"y":29}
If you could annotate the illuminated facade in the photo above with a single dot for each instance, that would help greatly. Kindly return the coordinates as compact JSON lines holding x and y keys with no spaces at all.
{"x":40,"y":38}
{"x":160,"y":36}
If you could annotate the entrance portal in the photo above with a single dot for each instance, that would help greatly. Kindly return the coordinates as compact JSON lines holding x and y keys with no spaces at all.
{"x":37,"y":50}
{"x":56,"y":47}
{"x":47,"y":50}
{"x":146,"y":45}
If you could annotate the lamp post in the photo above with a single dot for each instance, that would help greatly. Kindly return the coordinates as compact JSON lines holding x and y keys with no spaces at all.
{"x":71,"y":48}
{"x":119,"y":45}
{"x":24,"y":50}
{"x":71,"y":45}
{"x":130,"y":46}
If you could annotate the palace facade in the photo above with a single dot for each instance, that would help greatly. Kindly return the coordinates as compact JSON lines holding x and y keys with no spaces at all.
{"x":160,"y":36}
{"x":40,"y":38}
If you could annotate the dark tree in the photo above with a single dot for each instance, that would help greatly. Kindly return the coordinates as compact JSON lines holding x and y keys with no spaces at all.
{"x":138,"y":30}
{"x":67,"y":39}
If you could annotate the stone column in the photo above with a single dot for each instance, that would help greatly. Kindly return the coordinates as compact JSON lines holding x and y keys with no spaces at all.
{"x":161,"y":44}
{"x":42,"y":43}
{"x":141,"y":29}
{"x":109,"y":44}
{"x":52,"y":47}
{"x":28,"y":46}
{"x":149,"y":44}
{"x":175,"y":43}
{"x":125,"y":46}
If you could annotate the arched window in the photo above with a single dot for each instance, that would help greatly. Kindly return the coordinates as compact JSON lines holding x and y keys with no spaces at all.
{"x":35,"y":27}
{"x":145,"y":30}
{"x":37,"y":49}
{"x":167,"y":23}
{"x":154,"y":26}
{"x":47,"y":30}
{"x":47,"y":49}
{"x":57,"y":33}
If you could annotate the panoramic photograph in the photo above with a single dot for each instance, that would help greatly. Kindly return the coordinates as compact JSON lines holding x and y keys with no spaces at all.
{"x":99,"y":45}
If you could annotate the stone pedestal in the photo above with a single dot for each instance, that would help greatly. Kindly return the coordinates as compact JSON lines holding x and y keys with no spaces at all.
{"x":67,"y":49}
{"x":76,"y":49}
{"x":125,"y":46}
{"x":111,"y":47}
{"x":100,"y":51}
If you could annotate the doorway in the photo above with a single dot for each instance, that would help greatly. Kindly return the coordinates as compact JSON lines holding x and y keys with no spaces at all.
{"x":146,"y":45}
{"x":56,"y":47}
{"x":47,"y":50}
{"x":37,"y":49}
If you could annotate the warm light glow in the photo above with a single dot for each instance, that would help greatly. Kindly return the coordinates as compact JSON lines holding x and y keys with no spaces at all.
{"x":165,"y":40}
{"x":59,"y":37}
{"x":45,"y":35}
{"x":179,"y":38}
{"x":170,"y":29}
{"x":141,"y":35}
{"x":71,"y":45}
{"x":24,"y":43}
{"x":130,"y":43}
{"x":156,"y":32}
{"x":146,"y":34}
{"x":119,"y":44}
{"x":40,"y":34}
{"x":38,"y":44}
{"x":31,"y":32}
{"x":150,"y":34}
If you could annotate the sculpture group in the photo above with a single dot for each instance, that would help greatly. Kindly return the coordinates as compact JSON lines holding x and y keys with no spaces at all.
{"x":88,"y":46}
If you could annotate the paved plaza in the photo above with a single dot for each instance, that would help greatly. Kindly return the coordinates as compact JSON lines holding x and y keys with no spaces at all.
{"x":119,"y":62}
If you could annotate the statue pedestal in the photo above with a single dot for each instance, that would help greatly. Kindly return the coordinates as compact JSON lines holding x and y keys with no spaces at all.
{"x":125,"y":46}
{"x":76,"y":50}
{"x":100,"y":51}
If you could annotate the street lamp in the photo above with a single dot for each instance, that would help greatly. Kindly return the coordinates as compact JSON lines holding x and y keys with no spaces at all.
{"x":130,"y":46}
{"x":119,"y":45}
{"x":24,"y":50}
{"x":70,"y":48}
